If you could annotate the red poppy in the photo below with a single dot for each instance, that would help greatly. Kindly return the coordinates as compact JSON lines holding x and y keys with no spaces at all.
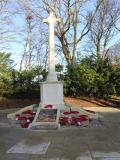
{"x":63,"y":120}
{"x":17,"y":116}
{"x":22,"y":118}
{"x":81,"y":118}
{"x":24,"y":125}
{"x":49,"y":106}
{"x":28,"y":112}
{"x":73,"y":120}
{"x":71,"y":112}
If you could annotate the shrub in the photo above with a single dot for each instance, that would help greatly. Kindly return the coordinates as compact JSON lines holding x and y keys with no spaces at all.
{"x":83,"y":81}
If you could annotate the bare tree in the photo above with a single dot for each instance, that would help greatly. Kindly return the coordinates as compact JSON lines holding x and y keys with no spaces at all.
{"x":117,"y":23}
{"x":117,"y":27}
{"x":75,"y":24}
{"x":35,"y":38}
{"x":76,"y":20}
{"x":6,"y":33}
{"x":114,"y":54}
{"x":103,"y":28}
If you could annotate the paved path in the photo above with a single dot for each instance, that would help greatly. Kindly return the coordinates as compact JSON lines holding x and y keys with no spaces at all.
{"x":64,"y":144}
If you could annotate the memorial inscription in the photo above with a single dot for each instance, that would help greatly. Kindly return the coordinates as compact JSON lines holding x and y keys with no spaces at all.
{"x":47,"y":115}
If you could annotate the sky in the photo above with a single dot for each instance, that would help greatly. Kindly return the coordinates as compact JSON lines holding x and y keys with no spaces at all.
{"x":18,"y":22}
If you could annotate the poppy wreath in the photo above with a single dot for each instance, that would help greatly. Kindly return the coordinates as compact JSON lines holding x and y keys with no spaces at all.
{"x":71,"y":112}
{"x":64,"y":120}
{"x":49,"y":106}
{"x":25,"y":118}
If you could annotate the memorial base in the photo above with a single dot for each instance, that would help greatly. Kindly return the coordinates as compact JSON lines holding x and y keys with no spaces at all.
{"x":51,"y":93}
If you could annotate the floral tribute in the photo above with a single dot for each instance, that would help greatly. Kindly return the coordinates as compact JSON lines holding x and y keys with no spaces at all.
{"x":25,"y":118}
{"x":70,"y":117}
{"x":49,"y":106}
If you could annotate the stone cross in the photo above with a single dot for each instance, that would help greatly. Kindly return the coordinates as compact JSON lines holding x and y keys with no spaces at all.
{"x":51,"y":20}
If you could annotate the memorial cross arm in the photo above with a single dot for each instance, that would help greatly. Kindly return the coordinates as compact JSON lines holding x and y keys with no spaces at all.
{"x":51,"y":19}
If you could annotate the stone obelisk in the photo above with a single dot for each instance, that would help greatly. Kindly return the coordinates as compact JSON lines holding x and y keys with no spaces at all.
{"x":52,"y":89}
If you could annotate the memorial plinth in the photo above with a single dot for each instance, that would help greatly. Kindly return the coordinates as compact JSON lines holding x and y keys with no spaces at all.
{"x":51,"y":93}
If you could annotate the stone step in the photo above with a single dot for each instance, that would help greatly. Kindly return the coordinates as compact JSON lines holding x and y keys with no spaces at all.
{"x":45,"y":126}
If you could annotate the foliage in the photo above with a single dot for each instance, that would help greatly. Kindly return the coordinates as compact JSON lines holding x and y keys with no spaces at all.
{"x":79,"y":80}
{"x":89,"y":62}
{"x":115,"y":78}
{"x":26,"y":83}
{"x":19,"y":84}
{"x":5,"y":74}
{"x":59,"y":68}
{"x":90,"y":78}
